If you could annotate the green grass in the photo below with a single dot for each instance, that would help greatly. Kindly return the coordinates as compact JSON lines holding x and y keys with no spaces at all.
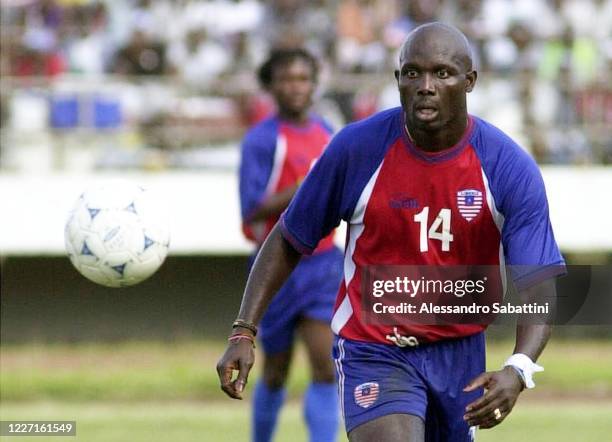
{"x":228,"y":421}
{"x":153,"y":392}
{"x":126,"y":371}
{"x":572,"y":367}
{"x":186,"y":370}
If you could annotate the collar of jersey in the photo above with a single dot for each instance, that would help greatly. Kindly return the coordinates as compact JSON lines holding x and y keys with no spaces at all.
{"x":296,"y":127}
{"x":444,"y":155}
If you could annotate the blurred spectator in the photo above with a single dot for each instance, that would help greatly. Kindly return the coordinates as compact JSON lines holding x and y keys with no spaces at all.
{"x":319,"y":21}
{"x":45,"y":14}
{"x":151,"y":17}
{"x":36,"y":48}
{"x":550,"y":60}
{"x":576,"y":54}
{"x":283,"y":23}
{"x":589,"y":18}
{"x":246,"y":53}
{"x":87,"y":46}
{"x":198,"y":59}
{"x":141,"y":56}
{"x":31,"y":62}
{"x":359,"y":30}
{"x":570,"y":64}
{"x":422,"y":11}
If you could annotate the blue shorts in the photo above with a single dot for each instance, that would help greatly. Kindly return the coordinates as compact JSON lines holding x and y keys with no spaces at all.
{"x":310,"y":292}
{"x":427,"y":381}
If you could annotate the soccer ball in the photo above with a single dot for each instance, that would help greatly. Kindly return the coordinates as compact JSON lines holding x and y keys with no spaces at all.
{"x":116,"y":235}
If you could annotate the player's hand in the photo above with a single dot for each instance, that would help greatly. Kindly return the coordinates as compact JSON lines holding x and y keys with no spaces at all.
{"x":501,"y":392}
{"x":239,"y":355}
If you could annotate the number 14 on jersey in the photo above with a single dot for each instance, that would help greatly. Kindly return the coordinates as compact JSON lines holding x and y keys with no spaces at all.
{"x":439,"y":229}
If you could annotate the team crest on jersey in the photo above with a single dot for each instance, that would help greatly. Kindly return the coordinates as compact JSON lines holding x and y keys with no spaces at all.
{"x":469,"y":202}
{"x":366,"y":394}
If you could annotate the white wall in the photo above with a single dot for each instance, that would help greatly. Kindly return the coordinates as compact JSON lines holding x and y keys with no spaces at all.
{"x":203,"y":208}
{"x":205,"y":214}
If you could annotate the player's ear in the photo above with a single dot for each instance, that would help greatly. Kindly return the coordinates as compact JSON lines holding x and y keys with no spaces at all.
{"x":470,"y":81}
{"x":396,"y":74}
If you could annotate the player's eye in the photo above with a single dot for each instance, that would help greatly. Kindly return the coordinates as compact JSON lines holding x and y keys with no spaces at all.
{"x":410,"y":73}
{"x":443,"y":73}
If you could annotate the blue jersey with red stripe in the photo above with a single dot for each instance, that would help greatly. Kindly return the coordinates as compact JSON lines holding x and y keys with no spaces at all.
{"x":277,"y":155}
{"x":485,"y":195}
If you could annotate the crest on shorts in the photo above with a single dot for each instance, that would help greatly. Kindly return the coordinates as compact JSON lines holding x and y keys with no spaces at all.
{"x":469,"y":202}
{"x":366,"y":394}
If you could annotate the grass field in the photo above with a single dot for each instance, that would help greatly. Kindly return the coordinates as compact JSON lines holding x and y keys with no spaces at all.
{"x":168,"y":392}
{"x":225,"y":421}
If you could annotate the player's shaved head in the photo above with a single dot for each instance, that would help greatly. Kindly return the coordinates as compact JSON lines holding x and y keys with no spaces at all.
{"x":433,"y":78}
{"x":439,"y":38}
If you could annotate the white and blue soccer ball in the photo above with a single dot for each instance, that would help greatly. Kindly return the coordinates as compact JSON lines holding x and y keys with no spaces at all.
{"x":116,"y":234}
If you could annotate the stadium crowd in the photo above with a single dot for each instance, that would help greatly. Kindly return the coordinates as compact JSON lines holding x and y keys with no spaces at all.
{"x":548,"y":60}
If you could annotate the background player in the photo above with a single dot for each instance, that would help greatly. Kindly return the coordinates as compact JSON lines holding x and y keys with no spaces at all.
{"x":276,"y":156}
{"x":429,"y":384}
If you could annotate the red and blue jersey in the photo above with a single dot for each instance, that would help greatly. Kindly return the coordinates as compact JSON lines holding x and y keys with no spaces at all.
{"x":485,"y":197}
{"x":277,"y":155}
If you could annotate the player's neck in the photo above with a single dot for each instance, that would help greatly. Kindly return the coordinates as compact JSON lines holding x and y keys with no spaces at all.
{"x":298,"y":119}
{"x":439,"y":140}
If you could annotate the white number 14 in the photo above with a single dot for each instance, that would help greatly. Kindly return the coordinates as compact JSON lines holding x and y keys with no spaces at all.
{"x":440,"y":229}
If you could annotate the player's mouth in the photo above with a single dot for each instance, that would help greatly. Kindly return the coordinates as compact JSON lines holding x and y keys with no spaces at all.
{"x":298,"y":101}
{"x":426,"y":112}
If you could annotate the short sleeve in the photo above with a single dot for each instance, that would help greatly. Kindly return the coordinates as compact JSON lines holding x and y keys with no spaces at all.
{"x":256,"y":162}
{"x":521,"y":207}
{"x":333,"y":186}
{"x":318,"y":206}
{"x":527,"y":234}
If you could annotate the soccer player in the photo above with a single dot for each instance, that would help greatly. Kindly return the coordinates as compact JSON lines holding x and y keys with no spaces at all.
{"x":416,"y":382}
{"x":276,"y":156}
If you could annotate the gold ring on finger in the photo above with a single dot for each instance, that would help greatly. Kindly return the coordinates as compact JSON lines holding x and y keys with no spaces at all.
{"x":497,"y":414}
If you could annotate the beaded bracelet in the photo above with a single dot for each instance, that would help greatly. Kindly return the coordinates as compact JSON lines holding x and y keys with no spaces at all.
{"x":238,"y":337}
{"x":243,"y":324}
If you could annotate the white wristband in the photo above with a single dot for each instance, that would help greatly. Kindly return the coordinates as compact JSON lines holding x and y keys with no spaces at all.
{"x":525,"y":366}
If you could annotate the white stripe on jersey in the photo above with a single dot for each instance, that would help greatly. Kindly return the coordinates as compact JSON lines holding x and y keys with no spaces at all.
{"x":498,"y":219}
{"x":342,"y":315}
{"x":280,"y":153}
{"x":356,"y":227}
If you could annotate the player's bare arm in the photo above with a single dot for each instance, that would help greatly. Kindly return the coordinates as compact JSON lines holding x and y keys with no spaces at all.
{"x":274,"y":205}
{"x":504,"y":386}
{"x":275,"y":262}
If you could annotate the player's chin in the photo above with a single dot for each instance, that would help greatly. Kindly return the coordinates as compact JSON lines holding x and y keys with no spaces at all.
{"x":426,"y":120}
{"x":298,"y":102}
{"x":295,"y":111}
{"x":428,"y":125}
{"x":300,"y":105}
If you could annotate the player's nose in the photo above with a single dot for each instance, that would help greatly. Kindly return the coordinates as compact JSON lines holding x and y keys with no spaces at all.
{"x":301,"y":86}
{"x":425,"y":85}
